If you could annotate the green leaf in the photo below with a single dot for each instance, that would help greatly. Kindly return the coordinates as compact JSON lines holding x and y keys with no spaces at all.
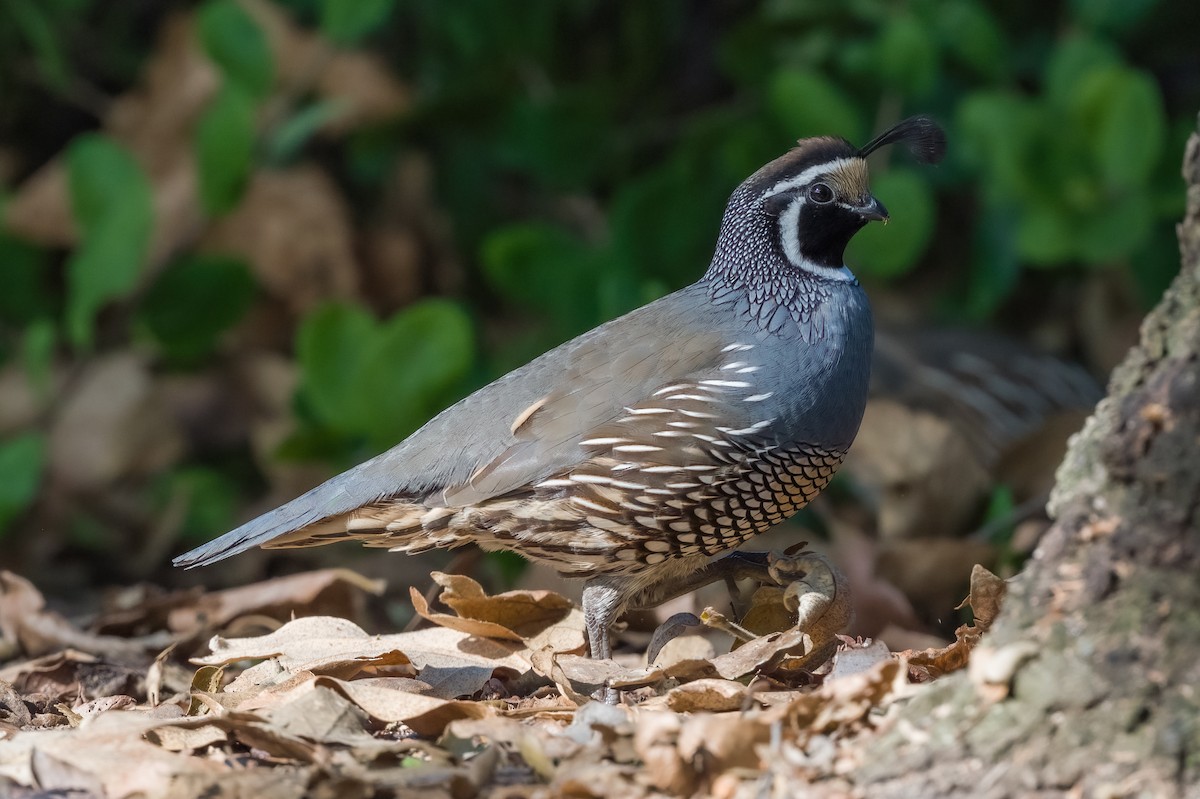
{"x":1116,"y":230}
{"x":1045,"y":234}
{"x":111,"y":200}
{"x":894,"y":249}
{"x":1111,"y":15}
{"x":1071,"y":61}
{"x":995,"y":266}
{"x":22,"y":461}
{"x":379,"y":382}
{"x":806,"y":104}
{"x":298,"y":129}
{"x":211,"y":497}
{"x":331,"y":347}
{"x":655,"y":234}
{"x":413,"y":368}
{"x":225,"y":149}
{"x":37,"y":351}
{"x":27,"y":294}
{"x":547,"y":270}
{"x":998,"y":132}
{"x":347,"y":21}
{"x":1123,"y":112}
{"x":28,"y":17}
{"x":236,"y":44}
{"x":908,"y":59}
{"x":972,"y":36}
{"x":193,"y":302}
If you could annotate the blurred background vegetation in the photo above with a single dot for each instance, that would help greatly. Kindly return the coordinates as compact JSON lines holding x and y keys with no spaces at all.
{"x":247,"y":244}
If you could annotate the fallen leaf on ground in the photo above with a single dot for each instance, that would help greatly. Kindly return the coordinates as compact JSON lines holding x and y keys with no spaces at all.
{"x":988,"y":591}
{"x":538,"y":618}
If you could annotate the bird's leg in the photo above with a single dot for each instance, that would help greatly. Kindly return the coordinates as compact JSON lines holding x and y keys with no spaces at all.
{"x":732,"y":567}
{"x":602,"y":601}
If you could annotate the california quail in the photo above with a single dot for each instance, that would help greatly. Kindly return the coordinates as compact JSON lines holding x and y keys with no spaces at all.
{"x":631,"y":454}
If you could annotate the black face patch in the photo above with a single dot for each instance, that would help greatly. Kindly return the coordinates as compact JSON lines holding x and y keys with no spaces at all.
{"x":824,"y":231}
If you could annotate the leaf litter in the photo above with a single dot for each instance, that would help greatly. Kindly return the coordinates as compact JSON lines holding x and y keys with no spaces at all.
{"x":492,"y":699}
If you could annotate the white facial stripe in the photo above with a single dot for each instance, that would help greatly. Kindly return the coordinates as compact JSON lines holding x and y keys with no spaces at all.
{"x":789,"y":235}
{"x":806,"y":177}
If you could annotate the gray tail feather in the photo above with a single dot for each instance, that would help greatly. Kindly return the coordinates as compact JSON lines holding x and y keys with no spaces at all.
{"x":254,"y":533}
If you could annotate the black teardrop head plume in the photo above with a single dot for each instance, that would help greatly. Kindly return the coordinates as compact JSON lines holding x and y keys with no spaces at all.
{"x":925,"y":138}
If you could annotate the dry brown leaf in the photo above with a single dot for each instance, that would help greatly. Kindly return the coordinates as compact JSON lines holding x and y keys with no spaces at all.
{"x":760,"y":655}
{"x":84,"y":758}
{"x":541,"y":619}
{"x":426,"y":715}
{"x":985,"y":600}
{"x":317,"y":713}
{"x":325,"y":591}
{"x":843,"y":702}
{"x":710,"y":695}
{"x":986,"y":596}
{"x":295,"y":230}
{"x":655,"y":741}
{"x":927,"y":475}
{"x":451,"y":662}
{"x":721,"y":741}
{"x":113,"y":423}
{"x":24,"y":619}
{"x":187,"y":739}
{"x":854,"y":657}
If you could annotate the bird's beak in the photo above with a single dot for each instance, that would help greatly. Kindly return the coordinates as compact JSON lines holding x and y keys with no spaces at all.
{"x":872,"y":211}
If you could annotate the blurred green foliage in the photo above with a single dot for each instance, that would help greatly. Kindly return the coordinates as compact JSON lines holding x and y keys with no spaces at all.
{"x":583,"y":151}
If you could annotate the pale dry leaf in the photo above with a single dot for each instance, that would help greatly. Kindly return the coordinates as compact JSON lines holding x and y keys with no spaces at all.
{"x":323,"y":590}
{"x":309,"y":644}
{"x":53,"y":675}
{"x":714,"y":696}
{"x":987,"y":591}
{"x":655,"y":741}
{"x":760,"y":655}
{"x":540,"y":619}
{"x":295,"y":230}
{"x":837,"y":704}
{"x":154,"y":676}
{"x":317,"y":713}
{"x":986,"y":596}
{"x":721,"y":741}
{"x":85,"y":757}
{"x":25,"y":619}
{"x":486,"y":629}
{"x":853,"y":658}
{"x":113,"y":424}
{"x":185,"y":739}
{"x":426,"y":715}
{"x":685,"y":648}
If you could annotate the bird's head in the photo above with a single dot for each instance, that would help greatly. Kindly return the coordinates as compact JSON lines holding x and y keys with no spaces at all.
{"x":813,"y":199}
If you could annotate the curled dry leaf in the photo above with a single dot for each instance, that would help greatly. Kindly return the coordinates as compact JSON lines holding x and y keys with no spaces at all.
{"x":839,"y":704}
{"x":538,"y":618}
{"x":24,"y":619}
{"x":706,"y":695}
{"x":453,"y":663}
{"x":84,"y":758}
{"x":327,"y":591}
{"x":988,"y":591}
{"x":426,"y":715}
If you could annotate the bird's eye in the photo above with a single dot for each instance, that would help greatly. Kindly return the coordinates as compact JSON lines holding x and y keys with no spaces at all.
{"x":820,"y":193}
